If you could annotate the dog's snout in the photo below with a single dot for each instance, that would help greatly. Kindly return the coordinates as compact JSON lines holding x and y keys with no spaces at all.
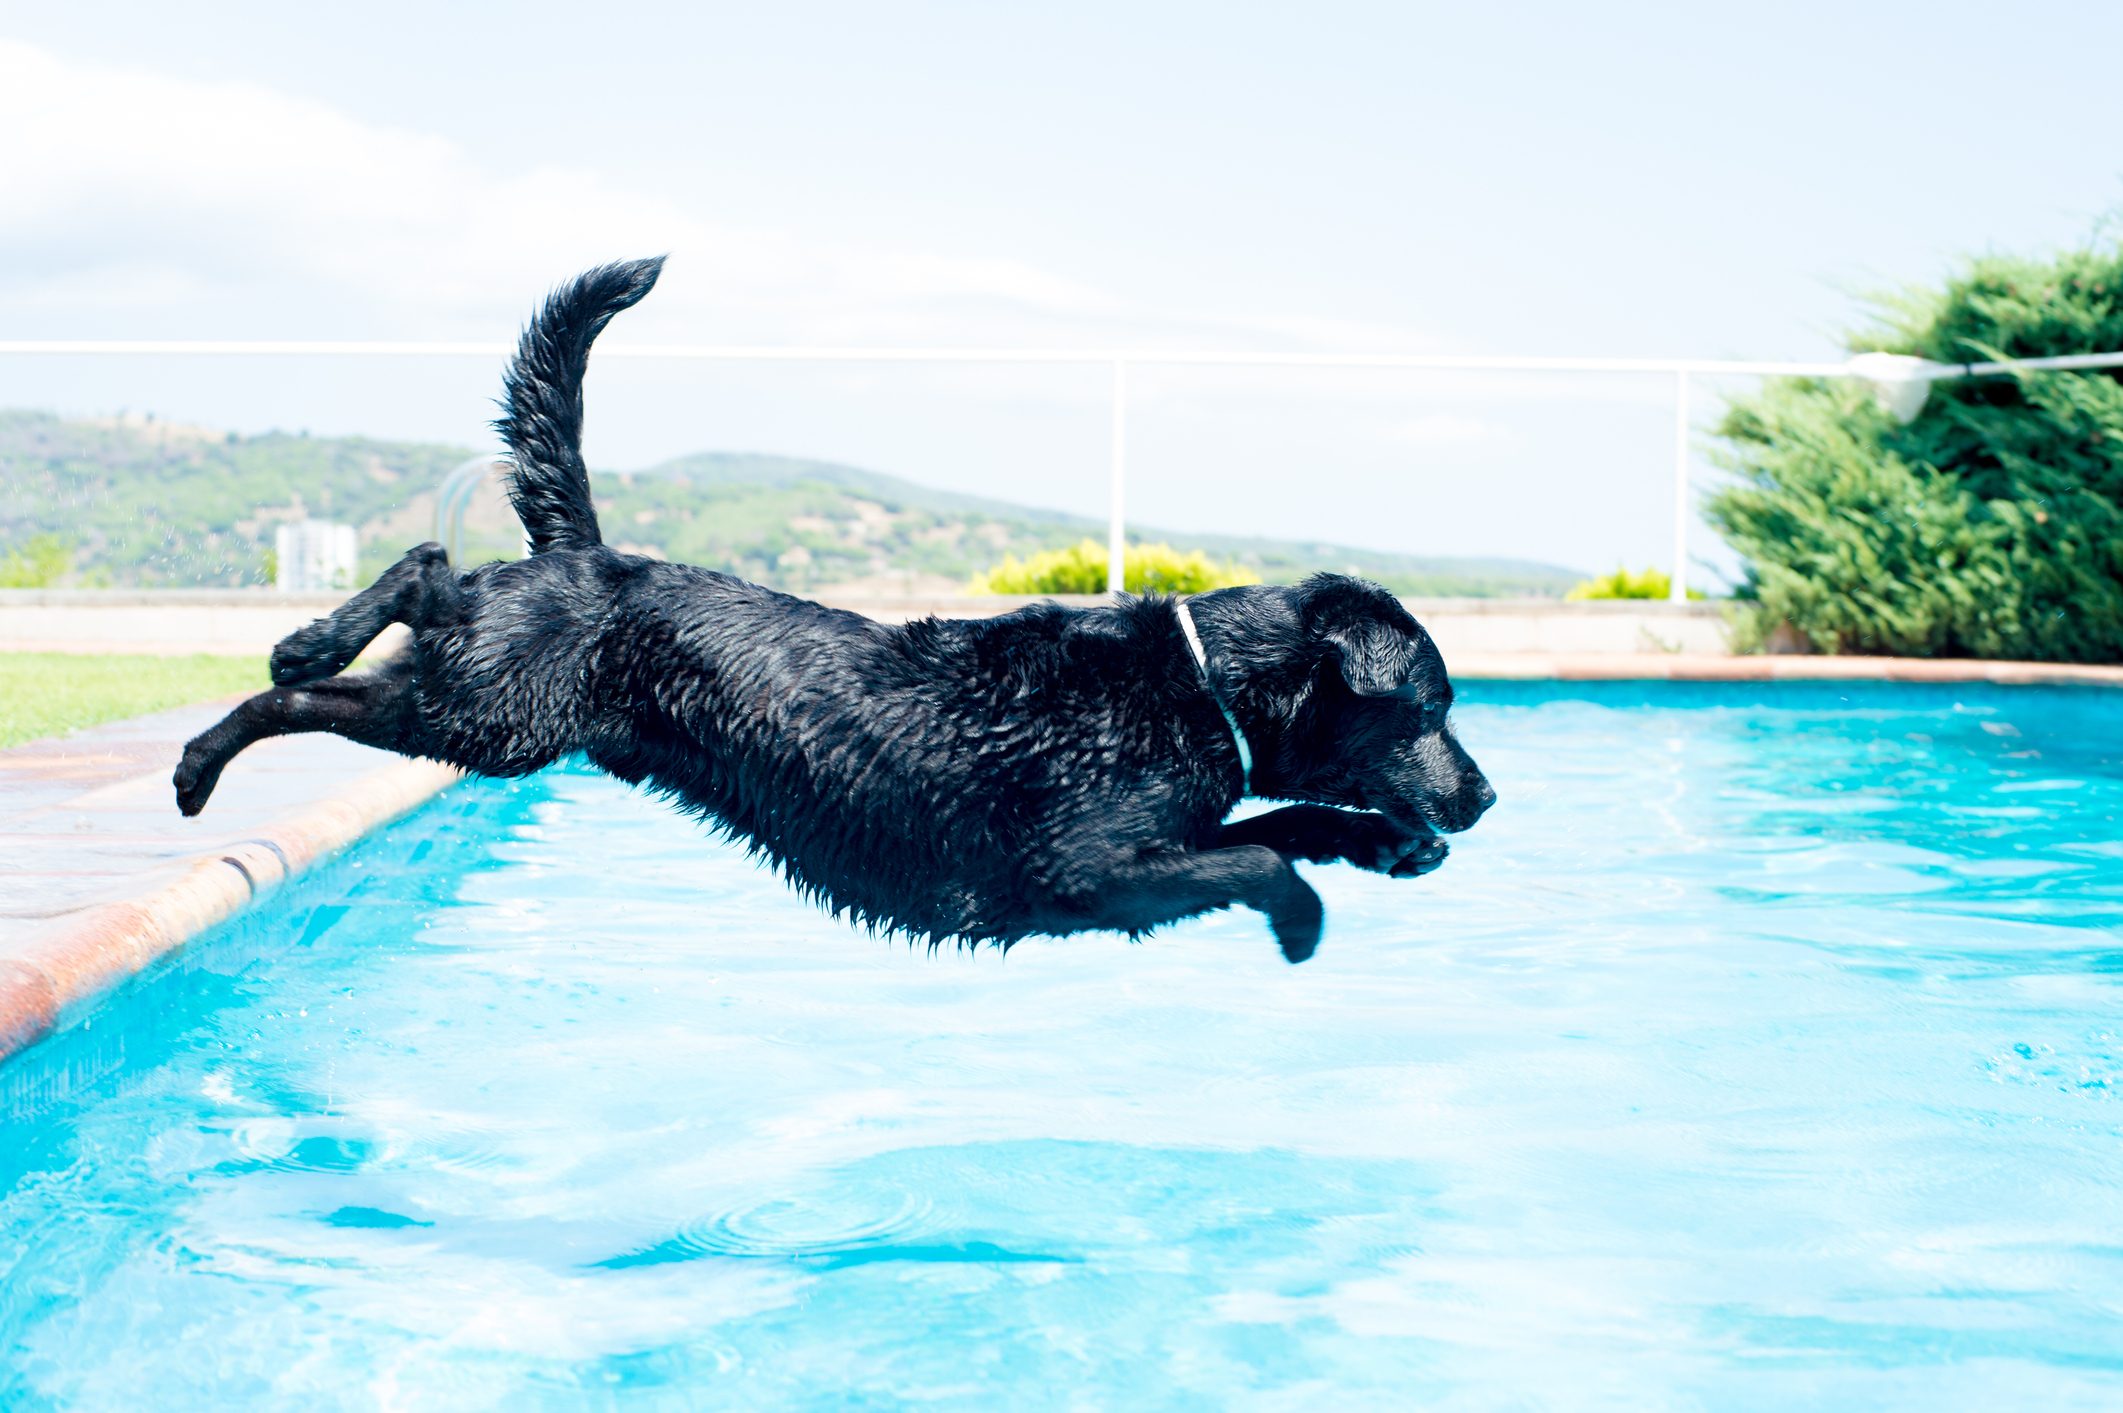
{"x":1468,"y":803}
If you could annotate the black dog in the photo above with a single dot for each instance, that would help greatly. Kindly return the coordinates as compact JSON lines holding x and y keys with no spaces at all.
{"x":1049,"y":771}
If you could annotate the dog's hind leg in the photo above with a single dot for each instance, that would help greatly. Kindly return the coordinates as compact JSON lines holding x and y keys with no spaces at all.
{"x":1159,"y":888}
{"x":375,"y":708}
{"x":419,"y":590}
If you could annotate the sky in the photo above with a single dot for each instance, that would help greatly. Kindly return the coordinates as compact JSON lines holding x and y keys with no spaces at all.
{"x":1651,"y":180}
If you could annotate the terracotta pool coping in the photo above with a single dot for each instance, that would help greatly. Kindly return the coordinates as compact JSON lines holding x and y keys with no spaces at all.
{"x":81,"y":956}
{"x":72,"y":961}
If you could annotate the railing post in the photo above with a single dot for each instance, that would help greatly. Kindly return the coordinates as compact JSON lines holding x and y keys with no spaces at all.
{"x":1116,"y":534}
{"x":1678,"y":587}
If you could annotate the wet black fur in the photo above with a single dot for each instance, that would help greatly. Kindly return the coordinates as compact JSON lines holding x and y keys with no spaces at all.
{"x":1048,"y":771}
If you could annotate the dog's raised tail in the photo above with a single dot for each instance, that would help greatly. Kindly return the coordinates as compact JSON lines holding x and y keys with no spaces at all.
{"x":541,"y":421}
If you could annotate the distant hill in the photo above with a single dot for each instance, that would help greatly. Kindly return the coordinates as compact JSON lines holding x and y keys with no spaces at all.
{"x":152,"y":503}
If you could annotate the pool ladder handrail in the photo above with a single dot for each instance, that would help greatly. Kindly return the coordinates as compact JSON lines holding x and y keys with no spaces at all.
{"x":454,"y":497}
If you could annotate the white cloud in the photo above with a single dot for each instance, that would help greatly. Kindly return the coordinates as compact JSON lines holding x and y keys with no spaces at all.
{"x":130,"y":191}
{"x":140,"y":203}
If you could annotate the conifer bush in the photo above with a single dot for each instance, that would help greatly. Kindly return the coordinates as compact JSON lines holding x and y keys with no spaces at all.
{"x":1987,"y":527}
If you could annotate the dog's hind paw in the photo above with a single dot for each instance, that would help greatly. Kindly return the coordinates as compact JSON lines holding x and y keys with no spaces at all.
{"x":308,"y":655}
{"x":196,"y":775}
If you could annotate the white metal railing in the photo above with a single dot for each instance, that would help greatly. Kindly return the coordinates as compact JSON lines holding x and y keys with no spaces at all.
{"x":1899,"y":381}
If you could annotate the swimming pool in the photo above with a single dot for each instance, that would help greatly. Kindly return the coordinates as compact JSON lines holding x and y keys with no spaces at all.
{"x":1762,"y":1046}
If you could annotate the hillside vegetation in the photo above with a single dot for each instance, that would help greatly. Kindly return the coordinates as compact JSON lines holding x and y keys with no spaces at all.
{"x":140,"y":502}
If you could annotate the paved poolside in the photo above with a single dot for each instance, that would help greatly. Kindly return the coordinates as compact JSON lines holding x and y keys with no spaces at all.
{"x":100,"y":876}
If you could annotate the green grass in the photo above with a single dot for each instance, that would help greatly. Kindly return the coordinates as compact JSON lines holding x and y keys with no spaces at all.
{"x":50,"y":694}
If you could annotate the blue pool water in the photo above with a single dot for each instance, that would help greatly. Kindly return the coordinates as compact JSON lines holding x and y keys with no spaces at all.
{"x":1760,"y":1048}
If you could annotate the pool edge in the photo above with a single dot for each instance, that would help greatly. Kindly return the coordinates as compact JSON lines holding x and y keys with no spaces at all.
{"x":44,"y":986}
{"x":1776,"y":667}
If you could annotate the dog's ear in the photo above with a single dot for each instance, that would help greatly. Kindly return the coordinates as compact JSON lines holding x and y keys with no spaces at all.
{"x":1378,"y":646}
{"x":1378,"y":659}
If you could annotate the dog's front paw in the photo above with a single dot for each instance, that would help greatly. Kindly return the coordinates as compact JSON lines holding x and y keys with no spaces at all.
{"x":1396,"y":850}
{"x":1297,"y":925}
{"x":1423,"y":855}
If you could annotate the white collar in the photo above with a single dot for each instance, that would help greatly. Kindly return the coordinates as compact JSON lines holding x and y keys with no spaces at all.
{"x":1201,"y":661}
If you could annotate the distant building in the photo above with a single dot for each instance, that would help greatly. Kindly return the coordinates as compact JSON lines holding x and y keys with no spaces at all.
{"x":314,"y":554}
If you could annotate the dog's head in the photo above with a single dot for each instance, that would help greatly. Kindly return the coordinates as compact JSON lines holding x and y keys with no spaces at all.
{"x":1355,"y":700}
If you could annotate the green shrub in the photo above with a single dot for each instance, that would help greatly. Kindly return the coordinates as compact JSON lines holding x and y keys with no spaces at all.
{"x":1081,"y":569}
{"x":1650,"y":584}
{"x":40,"y":562}
{"x":1989,"y":526}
